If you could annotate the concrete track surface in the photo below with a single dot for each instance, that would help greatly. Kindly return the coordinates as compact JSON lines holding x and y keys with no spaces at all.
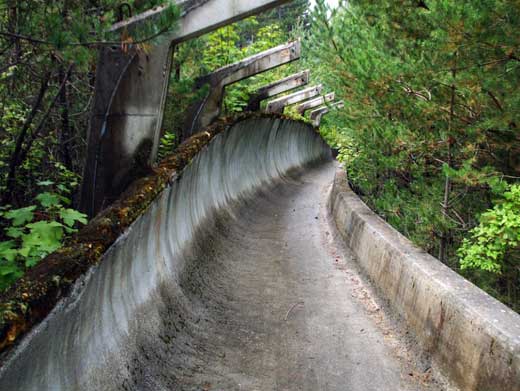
{"x":287,"y":308}
{"x":233,"y":280}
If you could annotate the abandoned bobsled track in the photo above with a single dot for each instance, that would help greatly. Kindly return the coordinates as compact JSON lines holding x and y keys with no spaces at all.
{"x":224,"y":282}
{"x":233,"y":277}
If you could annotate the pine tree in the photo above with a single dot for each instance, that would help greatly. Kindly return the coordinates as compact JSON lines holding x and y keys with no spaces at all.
{"x":429,"y":133}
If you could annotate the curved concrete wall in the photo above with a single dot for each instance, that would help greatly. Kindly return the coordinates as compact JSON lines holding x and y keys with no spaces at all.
{"x":94,"y":339}
{"x":474,"y":339}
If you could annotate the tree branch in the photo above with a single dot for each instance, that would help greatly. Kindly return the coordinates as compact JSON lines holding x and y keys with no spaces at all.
{"x":39,"y":41}
{"x":495,"y":100}
{"x":34,"y":134}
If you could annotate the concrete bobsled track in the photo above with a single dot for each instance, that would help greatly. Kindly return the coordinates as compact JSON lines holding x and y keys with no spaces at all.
{"x":230,"y":274}
{"x":231,"y":280}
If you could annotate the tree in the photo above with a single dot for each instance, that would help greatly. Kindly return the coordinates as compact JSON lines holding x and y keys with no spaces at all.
{"x":430,"y":125}
{"x":47,"y":59}
{"x":493,"y":246}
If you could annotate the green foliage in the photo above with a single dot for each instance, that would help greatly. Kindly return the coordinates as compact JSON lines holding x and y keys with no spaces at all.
{"x":71,"y":28}
{"x":429,"y":132}
{"x":495,"y":242}
{"x":167,"y":145}
{"x":50,"y":48}
{"x":223,"y":48}
{"x":35,"y":231}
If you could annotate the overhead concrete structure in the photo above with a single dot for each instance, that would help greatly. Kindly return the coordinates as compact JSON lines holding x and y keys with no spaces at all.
{"x":206,"y":111}
{"x":311,"y":104}
{"x":130,"y":92}
{"x":286,"y":84}
{"x":317,"y":115}
{"x":279,"y":104}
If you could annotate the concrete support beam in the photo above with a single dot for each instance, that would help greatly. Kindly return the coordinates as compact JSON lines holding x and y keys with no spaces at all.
{"x":279,"y":104}
{"x":286,"y":84}
{"x":317,"y":114}
{"x":199,"y":17}
{"x":130,"y":92}
{"x":206,"y":111}
{"x":311,"y":104}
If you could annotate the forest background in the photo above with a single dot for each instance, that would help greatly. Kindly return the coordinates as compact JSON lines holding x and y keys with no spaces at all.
{"x":429,"y":134}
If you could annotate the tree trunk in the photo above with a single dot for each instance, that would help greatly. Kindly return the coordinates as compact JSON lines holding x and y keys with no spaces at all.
{"x":65,"y":133}
{"x":15,"y":157}
{"x":446,"y":235}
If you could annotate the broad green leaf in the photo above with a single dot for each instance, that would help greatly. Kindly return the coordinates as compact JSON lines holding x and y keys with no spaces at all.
{"x":48,"y":200}
{"x":8,"y":251}
{"x":31,"y":261}
{"x":12,"y":269}
{"x":21,"y":216}
{"x":70,"y":216}
{"x":14,"y":232}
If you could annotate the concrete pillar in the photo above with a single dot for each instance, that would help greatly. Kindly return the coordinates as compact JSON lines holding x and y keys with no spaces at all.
{"x":279,"y":104}
{"x":203,"y":113}
{"x":286,"y":84}
{"x":317,"y":114}
{"x":130,"y":92}
{"x":312,"y":103}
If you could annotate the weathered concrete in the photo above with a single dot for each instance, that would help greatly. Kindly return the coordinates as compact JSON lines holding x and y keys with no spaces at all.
{"x":92,"y":341}
{"x":130,"y":92}
{"x":232,"y":279}
{"x":33,"y":296}
{"x":286,"y":84}
{"x":311,"y":104}
{"x":473,"y":338}
{"x":317,"y":115}
{"x":279,"y":104}
{"x":206,"y":111}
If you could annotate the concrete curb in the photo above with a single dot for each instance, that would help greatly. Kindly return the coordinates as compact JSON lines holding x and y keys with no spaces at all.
{"x":472,"y":338}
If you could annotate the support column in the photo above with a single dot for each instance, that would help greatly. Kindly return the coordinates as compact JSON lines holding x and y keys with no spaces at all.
{"x":286,"y":84}
{"x":129,"y":96}
{"x":279,"y":104}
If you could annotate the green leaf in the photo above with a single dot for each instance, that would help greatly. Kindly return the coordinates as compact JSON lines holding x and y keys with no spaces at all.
{"x":20,"y":216}
{"x":48,"y":200}
{"x":31,"y":261}
{"x":45,"y":183}
{"x":70,"y":216}
{"x":7,"y":250}
{"x":10,"y":269}
{"x":14,"y":232}
{"x":63,"y":188}
{"x":25,"y":251}
{"x":46,"y":231}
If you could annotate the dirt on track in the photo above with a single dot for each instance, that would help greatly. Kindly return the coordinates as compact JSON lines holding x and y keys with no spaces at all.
{"x":284,"y":305}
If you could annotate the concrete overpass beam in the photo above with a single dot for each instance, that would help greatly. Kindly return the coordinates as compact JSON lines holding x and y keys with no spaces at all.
{"x":286,"y":84}
{"x":317,"y":115}
{"x":203,"y":113}
{"x":279,"y":104}
{"x":130,"y":92}
{"x":316,"y":102}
